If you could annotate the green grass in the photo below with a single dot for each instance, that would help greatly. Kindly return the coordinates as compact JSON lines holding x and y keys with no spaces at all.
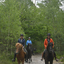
{"x":60,"y":57}
{"x":7,"y":59}
{"x":62,"y":60}
{"x":7,"y":62}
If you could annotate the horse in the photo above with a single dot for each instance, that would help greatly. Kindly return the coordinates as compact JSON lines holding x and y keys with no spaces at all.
{"x":20,"y":54}
{"x":49,"y":54}
{"x":29,"y":52}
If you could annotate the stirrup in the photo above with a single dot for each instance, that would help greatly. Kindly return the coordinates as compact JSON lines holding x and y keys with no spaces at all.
{"x":13,"y":60}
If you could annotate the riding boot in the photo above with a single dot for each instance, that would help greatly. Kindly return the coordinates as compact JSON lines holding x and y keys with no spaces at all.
{"x":55,"y":56}
{"x":13,"y":60}
{"x":25,"y":57}
{"x":26,"y":60}
{"x":42,"y":56}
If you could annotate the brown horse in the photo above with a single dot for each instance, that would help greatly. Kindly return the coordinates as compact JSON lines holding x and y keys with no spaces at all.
{"x":20,"y":54}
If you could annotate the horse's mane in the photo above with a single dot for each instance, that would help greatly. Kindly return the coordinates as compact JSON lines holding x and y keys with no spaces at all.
{"x":29,"y":44}
{"x":49,"y":44}
{"x":18,"y":44}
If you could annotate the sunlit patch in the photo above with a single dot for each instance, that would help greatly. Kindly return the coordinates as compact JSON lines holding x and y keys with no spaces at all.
{"x":39,"y":1}
{"x":2,"y":0}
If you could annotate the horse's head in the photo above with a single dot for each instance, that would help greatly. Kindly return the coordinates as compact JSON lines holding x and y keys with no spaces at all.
{"x":18,"y":47}
{"x":49,"y":47}
{"x":29,"y":46}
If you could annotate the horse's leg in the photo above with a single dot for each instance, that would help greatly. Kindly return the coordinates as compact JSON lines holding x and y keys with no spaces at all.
{"x":26,"y":57}
{"x":46,"y":62}
{"x":23,"y":62}
{"x":31,"y":58}
{"x":51,"y":61}
{"x":18,"y":62}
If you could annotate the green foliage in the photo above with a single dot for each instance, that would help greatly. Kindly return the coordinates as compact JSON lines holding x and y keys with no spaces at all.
{"x":22,"y":16}
{"x":62,"y":60}
{"x":39,"y":46}
{"x":10,"y":24}
{"x":37,"y":22}
{"x":6,"y":59}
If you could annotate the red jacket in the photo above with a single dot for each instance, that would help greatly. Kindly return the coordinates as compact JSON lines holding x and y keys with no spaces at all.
{"x":46,"y":42}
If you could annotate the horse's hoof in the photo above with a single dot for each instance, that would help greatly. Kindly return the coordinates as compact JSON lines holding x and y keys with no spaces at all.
{"x":41,"y":59}
{"x":31,"y":60}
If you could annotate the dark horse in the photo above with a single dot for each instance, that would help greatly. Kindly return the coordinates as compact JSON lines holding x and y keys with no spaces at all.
{"x":49,"y":54}
{"x":29,"y":52}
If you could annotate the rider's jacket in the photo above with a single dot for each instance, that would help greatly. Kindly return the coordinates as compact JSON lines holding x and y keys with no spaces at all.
{"x":22,"y":41}
{"x":46,"y":42}
{"x":28,"y":41}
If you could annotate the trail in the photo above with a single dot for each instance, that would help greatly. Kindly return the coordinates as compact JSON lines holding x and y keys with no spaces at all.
{"x":36,"y":59}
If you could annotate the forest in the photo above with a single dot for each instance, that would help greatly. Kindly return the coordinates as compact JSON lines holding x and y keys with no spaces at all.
{"x":23,"y":17}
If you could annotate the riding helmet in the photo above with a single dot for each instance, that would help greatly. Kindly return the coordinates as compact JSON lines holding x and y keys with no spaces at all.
{"x":48,"y":34}
{"x":21,"y":35}
{"x":29,"y":38}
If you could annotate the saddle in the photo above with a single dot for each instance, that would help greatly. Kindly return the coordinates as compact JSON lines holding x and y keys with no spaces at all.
{"x":25,"y":51}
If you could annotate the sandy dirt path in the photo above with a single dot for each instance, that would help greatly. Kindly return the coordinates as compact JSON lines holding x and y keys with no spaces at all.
{"x":36,"y":59}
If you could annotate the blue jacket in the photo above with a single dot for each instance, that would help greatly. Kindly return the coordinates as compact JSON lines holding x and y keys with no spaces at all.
{"x":28,"y":41}
{"x":22,"y":42}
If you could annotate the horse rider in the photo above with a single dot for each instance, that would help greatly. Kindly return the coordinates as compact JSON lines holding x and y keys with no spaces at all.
{"x":48,"y":40}
{"x":21,"y":40}
{"x":29,"y":41}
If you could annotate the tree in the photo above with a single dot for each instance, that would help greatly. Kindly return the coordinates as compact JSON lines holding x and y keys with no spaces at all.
{"x":10,"y":25}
